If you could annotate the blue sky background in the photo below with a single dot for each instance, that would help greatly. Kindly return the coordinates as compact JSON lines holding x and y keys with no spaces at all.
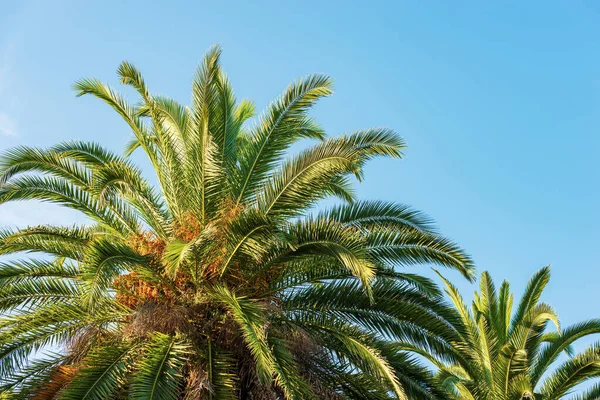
{"x":499,"y":103}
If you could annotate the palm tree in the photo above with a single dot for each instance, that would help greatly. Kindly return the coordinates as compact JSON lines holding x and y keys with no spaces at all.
{"x":220,"y":281}
{"x":501,"y":355}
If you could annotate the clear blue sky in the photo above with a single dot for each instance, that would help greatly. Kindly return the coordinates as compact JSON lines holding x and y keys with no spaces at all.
{"x":498,"y":101}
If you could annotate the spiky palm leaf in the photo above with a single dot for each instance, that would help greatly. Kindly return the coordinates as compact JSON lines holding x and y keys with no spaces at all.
{"x":501,"y":355}
{"x":219,"y":282}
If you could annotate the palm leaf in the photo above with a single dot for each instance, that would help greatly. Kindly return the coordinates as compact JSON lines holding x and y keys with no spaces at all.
{"x":105,"y":370}
{"x":158,"y":373}
{"x":282,"y":124}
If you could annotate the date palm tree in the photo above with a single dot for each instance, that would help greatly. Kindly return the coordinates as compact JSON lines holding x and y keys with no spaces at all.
{"x":501,"y":355}
{"x":220,"y":280}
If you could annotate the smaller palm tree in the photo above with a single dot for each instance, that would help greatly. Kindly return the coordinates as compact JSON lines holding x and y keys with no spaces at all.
{"x":501,"y":355}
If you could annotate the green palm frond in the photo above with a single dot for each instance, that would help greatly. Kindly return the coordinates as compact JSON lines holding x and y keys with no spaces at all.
{"x":67,"y":242}
{"x":283,"y":123}
{"x":224,"y":384}
{"x":28,"y":380}
{"x":103,"y":373}
{"x":368,"y":214}
{"x":286,"y":372}
{"x":345,"y":246}
{"x":409,"y":247}
{"x":27,"y":331}
{"x":353,"y":345}
{"x":103,"y":262}
{"x":593,"y":393}
{"x":252,"y":320}
{"x":32,"y":292}
{"x":560,"y":344}
{"x":578,"y":369}
{"x":532,"y":294}
{"x":158,"y":374}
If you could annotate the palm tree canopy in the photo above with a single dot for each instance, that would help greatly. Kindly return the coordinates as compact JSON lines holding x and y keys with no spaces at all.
{"x":504,"y":355}
{"x":220,"y":281}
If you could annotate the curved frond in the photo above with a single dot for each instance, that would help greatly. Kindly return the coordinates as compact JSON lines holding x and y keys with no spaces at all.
{"x":410,"y":247}
{"x":572,"y":372}
{"x":284,"y":122}
{"x":560,"y":344}
{"x":251,"y":318}
{"x":103,"y":372}
{"x":158,"y":373}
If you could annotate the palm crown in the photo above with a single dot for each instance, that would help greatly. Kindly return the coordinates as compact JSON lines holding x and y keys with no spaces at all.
{"x":501,"y":355}
{"x":218,"y":282}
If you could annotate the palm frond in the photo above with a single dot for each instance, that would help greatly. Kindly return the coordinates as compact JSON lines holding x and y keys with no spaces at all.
{"x":104,"y":371}
{"x":572,"y":372}
{"x":158,"y":373}
{"x":104,"y":261}
{"x":410,"y":247}
{"x":252,"y":320}
{"x":560,"y":344}
{"x":532,"y":294}
{"x":284,"y":122}
{"x":67,"y":242}
{"x":368,"y":214}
